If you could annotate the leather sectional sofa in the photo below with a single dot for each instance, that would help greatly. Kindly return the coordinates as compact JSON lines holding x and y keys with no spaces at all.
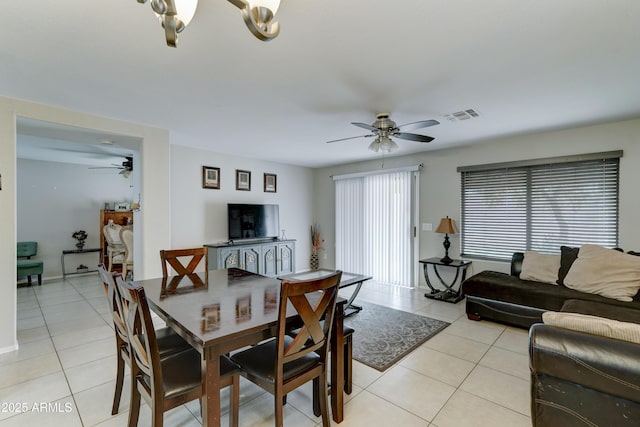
{"x":505,"y":298}
{"x":577,"y":378}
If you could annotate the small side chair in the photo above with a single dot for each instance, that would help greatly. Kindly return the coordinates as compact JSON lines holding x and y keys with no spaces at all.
{"x":27,"y":267}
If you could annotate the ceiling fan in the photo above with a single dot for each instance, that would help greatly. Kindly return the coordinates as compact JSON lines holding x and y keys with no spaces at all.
{"x":384,"y":128}
{"x":125,"y":168}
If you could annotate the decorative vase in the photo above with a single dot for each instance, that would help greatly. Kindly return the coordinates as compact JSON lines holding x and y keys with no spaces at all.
{"x":314,"y":262}
{"x":80,"y":244}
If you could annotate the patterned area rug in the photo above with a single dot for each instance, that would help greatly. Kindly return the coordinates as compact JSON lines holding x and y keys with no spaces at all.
{"x":383,"y":335}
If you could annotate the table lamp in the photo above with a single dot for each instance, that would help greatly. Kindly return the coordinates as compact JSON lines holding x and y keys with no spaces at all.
{"x":446,"y":227}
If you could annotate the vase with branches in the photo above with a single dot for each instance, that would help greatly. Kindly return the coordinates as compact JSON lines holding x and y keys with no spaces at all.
{"x":316,"y":246}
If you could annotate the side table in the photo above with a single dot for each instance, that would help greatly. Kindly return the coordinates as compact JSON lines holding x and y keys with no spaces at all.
{"x":76,"y":251}
{"x":449,"y":294}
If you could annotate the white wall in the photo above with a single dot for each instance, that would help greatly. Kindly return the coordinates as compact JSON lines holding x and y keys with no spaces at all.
{"x":199,"y":215}
{"x":70,"y":197}
{"x":440,"y":182}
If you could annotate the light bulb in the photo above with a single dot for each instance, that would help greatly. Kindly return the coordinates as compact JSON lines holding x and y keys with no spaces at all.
{"x":272,"y":5}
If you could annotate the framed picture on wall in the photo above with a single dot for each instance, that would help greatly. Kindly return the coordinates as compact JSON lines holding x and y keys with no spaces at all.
{"x":243,"y":180}
{"x":270,"y":182}
{"x":210,"y":177}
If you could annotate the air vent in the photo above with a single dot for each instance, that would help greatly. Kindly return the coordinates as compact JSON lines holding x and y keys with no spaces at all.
{"x":462,"y":115}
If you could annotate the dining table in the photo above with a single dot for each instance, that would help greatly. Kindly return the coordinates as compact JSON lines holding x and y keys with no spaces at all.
{"x":219,"y":311}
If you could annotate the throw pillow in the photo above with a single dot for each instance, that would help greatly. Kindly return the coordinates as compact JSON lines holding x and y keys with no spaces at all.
{"x":540,"y":267}
{"x":567,"y":256}
{"x":593,"y":325}
{"x":605,"y":272}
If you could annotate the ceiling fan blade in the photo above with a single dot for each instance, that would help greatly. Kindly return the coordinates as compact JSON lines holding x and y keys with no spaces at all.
{"x":418,"y":125}
{"x":365,"y":126}
{"x":351,"y":137}
{"x":105,"y":167}
{"x":413,"y":137}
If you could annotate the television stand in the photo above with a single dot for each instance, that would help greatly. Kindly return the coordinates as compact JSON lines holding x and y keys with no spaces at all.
{"x":270,"y":257}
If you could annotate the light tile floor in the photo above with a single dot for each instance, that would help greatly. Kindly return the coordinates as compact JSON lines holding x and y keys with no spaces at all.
{"x":471,"y":374}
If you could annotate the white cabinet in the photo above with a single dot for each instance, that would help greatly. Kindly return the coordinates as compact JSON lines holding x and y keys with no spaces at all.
{"x":271,"y":258}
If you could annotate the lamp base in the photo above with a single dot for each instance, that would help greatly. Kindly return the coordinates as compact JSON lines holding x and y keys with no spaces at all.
{"x":446,"y":260}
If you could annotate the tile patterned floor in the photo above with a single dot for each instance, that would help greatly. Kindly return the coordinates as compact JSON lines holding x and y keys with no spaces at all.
{"x":471,"y":374}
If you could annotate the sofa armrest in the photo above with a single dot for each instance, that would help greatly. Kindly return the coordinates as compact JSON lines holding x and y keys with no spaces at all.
{"x":602,"y":364}
{"x":516,"y":263}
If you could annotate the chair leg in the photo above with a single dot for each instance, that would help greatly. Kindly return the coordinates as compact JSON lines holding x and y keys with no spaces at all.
{"x":316,"y":398}
{"x":39,"y":279}
{"x":134,"y":406}
{"x":119,"y":381}
{"x":348,"y":364}
{"x":278,"y":408}
{"x":28,"y":280}
{"x":234,"y":401}
{"x":324,"y":407}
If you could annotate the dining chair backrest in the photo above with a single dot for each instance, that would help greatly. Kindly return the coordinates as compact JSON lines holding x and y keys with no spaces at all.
{"x":126,"y":237}
{"x":314,"y":334}
{"x":111,"y":233}
{"x":26,"y":249}
{"x":172,"y":258}
{"x":115,"y":302}
{"x":142,"y":337}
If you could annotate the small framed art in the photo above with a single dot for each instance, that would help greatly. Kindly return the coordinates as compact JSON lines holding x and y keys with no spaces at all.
{"x":270,"y":182}
{"x":210,"y":177}
{"x":243,"y":180}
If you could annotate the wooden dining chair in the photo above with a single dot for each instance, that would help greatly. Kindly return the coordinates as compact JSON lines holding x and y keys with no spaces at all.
{"x":347,"y":333}
{"x":172,"y":258}
{"x":126,"y":237}
{"x":168,"y":341}
{"x":284,"y":363}
{"x":165,"y":383}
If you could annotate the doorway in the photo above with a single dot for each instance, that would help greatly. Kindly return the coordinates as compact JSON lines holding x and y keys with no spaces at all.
{"x":375,"y":225}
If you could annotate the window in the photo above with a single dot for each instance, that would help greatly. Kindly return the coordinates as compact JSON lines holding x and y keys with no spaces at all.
{"x":539,"y":205}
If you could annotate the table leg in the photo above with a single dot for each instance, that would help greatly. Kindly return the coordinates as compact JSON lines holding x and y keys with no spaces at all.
{"x":211,"y":387}
{"x":337,"y":366}
{"x":349,"y":307}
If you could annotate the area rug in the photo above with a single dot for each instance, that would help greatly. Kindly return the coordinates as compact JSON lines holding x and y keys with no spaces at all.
{"x":383,"y":335}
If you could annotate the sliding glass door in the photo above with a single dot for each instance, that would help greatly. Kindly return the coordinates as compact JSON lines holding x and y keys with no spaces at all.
{"x":375,"y":225}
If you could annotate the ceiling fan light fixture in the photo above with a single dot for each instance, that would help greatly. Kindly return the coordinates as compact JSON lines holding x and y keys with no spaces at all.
{"x":387,"y":145}
{"x":375,"y":145}
{"x":258,"y":17}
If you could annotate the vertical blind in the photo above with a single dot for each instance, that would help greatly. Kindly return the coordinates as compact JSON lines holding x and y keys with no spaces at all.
{"x":374,"y":227}
{"x":539,"y":206}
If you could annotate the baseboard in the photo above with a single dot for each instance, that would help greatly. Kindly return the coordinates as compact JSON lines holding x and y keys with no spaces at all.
{"x":9,"y":349}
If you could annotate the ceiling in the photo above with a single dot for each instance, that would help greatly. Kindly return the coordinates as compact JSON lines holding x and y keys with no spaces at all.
{"x":523,"y":66}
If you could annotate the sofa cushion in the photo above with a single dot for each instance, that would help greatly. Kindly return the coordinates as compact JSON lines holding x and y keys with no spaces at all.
{"x":599,"y":309}
{"x":605,"y":272}
{"x":567,"y":256}
{"x":540,"y":267}
{"x":593,"y":325}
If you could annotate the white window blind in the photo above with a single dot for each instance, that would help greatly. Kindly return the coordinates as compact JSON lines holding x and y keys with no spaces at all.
{"x":374,"y":227}
{"x":539,"y":205}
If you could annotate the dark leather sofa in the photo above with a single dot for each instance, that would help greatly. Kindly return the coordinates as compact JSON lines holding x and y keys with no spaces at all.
{"x":505,"y":298}
{"x":579,"y":379}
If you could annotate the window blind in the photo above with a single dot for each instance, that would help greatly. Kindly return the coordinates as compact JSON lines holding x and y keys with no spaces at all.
{"x":374,"y":228}
{"x":539,"y":206}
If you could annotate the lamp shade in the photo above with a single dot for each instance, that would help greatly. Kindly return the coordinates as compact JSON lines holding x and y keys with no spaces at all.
{"x":446,"y":226}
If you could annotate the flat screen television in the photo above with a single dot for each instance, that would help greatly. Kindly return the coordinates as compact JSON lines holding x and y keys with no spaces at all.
{"x":253,"y":221}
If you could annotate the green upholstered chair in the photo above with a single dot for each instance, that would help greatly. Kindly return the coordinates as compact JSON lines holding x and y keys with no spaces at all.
{"x":28,"y":267}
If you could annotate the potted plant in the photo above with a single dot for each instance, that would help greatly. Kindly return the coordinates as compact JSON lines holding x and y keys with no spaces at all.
{"x":80,"y":236}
